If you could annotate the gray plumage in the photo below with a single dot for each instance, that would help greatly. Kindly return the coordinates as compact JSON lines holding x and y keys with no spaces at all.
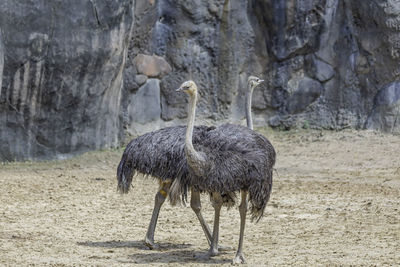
{"x":236,"y":158}
{"x":158,"y":154}
{"x":220,"y":161}
{"x":231,"y":158}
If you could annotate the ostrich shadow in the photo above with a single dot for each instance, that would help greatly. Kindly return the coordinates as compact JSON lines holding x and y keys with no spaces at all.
{"x":132,"y":244}
{"x":176,"y":256}
{"x":165,"y":253}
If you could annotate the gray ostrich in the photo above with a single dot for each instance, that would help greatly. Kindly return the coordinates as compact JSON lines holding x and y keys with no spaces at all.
{"x":229,"y":159}
{"x":252,"y":83}
{"x":159,"y":154}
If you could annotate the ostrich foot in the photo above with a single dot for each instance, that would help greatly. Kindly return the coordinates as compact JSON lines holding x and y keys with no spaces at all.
{"x":239,"y":259}
{"x":207,"y":255}
{"x":150,"y":244}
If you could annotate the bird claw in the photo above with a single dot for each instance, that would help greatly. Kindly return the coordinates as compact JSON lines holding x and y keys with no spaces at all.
{"x":239,"y":259}
{"x":150,"y":244}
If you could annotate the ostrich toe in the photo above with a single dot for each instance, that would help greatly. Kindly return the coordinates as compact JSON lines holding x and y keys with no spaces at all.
{"x":150,"y":244}
{"x":239,"y":259}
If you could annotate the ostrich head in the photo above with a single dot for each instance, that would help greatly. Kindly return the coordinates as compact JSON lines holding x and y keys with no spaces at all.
{"x":188,"y":87}
{"x":253,"y":81}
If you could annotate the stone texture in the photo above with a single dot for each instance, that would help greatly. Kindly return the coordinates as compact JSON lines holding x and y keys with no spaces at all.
{"x":307,"y":91}
{"x":62,"y":77}
{"x":386,"y":113}
{"x":323,"y":60}
{"x":326,"y":64}
{"x":130,"y":83}
{"x":319,"y":69}
{"x":1,"y":61}
{"x":140,"y":79}
{"x":152,"y":66}
{"x":145,"y":104}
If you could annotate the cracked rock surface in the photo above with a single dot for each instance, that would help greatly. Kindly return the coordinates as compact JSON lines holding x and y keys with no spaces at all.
{"x":327,"y":63}
{"x":62,"y":76}
{"x":78,"y":75}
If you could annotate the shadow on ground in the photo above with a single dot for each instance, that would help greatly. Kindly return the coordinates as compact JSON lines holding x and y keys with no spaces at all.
{"x":166,"y":253}
{"x":132,"y":244}
{"x":176,"y":256}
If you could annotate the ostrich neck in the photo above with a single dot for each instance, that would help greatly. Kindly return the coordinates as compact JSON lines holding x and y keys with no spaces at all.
{"x":195,"y":160}
{"x":249,"y":94}
{"x":190,"y":125}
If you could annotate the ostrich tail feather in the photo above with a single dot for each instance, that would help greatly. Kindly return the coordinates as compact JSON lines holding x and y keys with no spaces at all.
{"x":124,"y":176}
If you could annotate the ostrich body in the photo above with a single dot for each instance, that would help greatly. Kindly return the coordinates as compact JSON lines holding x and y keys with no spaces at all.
{"x":160,"y":154}
{"x":229,"y":159}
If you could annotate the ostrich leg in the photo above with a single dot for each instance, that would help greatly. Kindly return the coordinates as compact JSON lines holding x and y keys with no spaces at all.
{"x":217,"y":203}
{"x":213,"y":251}
{"x":196,"y":207}
{"x":242,"y":210}
{"x":158,"y":201}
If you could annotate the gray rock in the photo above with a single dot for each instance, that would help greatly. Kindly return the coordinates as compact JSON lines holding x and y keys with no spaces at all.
{"x":386,"y":112}
{"x":140,"y":79}
{"x":63,"y":66}
{"x":130,"y":83}
{"x":306,"y":93}
{"x":324,"y":71}
{"x":319,"y":70}
{"x":173,"y":105}
{"x":1,"y":61}
{"x":275,"y":121}
{"x":152,"y":66}
{"x":145,"y":105}
{"x":62,"y":76}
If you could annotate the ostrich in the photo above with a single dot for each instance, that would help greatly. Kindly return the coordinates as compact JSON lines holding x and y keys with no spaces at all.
{"x":252,"y":82}
{"x":159,"y":154}
{"x":229,"y":159}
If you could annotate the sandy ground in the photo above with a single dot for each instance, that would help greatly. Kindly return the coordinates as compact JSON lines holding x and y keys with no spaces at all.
{"x":335,"y":201}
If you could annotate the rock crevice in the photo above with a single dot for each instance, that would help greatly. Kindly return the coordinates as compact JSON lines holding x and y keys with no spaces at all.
{"x":76,"y":76}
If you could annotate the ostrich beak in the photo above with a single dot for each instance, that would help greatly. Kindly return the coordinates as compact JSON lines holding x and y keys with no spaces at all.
{"x":179,"y":89}
{"x":261,"y":81}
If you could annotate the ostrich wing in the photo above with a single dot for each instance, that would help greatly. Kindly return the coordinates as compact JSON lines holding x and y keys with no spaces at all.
{"x":158,"y":154}
{"x":238,"y":158}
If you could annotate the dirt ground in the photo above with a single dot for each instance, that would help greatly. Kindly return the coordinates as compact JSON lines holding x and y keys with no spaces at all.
{"x":335,"y":201}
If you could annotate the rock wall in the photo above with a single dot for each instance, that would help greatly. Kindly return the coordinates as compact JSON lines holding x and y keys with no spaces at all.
{"x":76,"y":76}
{"x":62,"y":76}
{"x":328,"y":63}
